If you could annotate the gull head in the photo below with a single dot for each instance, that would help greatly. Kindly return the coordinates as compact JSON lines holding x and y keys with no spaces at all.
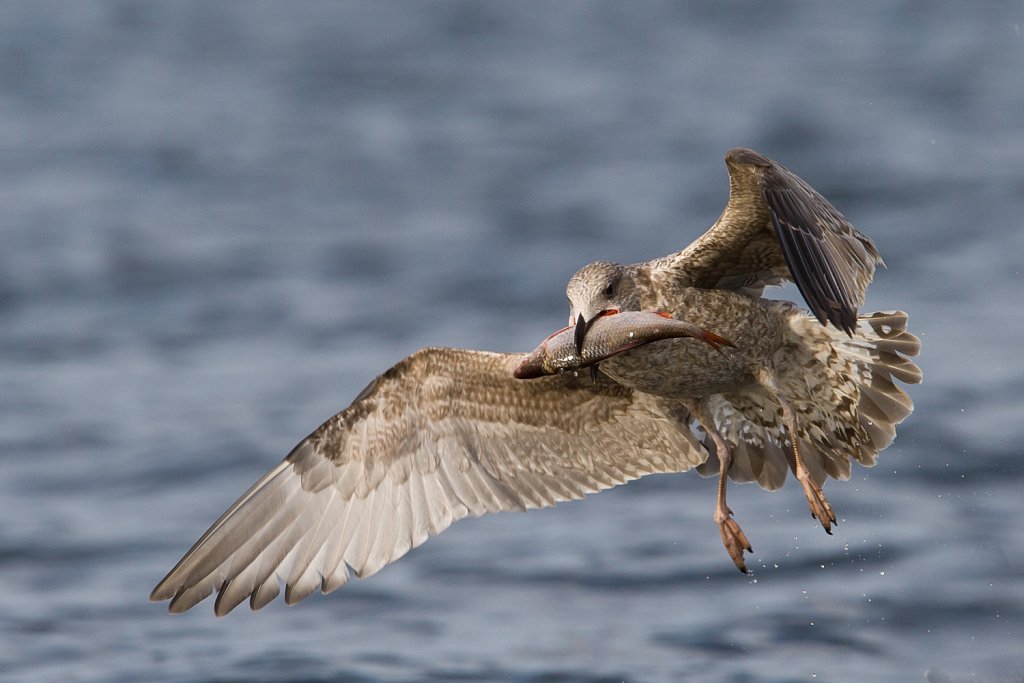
{"x":597,"y":289}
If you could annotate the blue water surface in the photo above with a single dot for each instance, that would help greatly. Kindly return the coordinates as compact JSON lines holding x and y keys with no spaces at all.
{"x":219,"y":220}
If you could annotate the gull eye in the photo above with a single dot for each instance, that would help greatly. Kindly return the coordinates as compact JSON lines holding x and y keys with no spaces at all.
{"x":609,"y":291}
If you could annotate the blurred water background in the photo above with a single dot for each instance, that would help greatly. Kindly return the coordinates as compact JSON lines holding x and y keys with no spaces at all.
{"x":219,"y":220}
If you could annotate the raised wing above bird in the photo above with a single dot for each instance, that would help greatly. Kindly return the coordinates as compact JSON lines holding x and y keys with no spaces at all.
{"x":444,"y":434}
{"x":777,"y":227}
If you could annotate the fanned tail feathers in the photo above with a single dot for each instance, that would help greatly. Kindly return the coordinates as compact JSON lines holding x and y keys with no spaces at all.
{"x":843,"y":390}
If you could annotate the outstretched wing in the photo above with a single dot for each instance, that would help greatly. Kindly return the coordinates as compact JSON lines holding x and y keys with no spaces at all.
{"x":444,"y":434}
{"x":777,"y":227}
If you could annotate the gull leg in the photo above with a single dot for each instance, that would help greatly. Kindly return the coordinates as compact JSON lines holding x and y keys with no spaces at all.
{"x":820,"y":508}
{"x":733,"y":538}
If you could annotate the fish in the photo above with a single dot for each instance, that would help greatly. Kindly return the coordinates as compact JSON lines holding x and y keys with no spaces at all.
{"x":608,"y":335}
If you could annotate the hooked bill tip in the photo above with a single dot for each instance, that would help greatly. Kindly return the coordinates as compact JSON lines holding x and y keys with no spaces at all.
{"x":579,"y":333}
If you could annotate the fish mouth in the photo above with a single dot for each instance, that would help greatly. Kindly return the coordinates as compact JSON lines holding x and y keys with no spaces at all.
{"x":582,"y":325}
{"x":532,"y":364}
{"x":529,"y":368}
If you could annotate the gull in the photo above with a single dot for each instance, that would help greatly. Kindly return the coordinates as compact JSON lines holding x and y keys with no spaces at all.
{"x":450,"y":433}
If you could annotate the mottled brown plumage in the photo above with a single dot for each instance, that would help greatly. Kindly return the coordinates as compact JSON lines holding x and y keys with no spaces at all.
{"x":449,"y":433}
{"x":786,"y":376}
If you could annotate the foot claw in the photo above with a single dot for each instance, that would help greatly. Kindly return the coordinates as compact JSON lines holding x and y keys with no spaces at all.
{"x":735,"y":541}
{"x":820,"y":508}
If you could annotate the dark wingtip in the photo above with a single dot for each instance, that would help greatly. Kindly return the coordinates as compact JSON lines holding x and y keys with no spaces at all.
{"x":843,"y":319}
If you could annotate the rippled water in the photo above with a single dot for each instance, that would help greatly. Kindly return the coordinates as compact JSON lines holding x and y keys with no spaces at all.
{"x":221,"y":219}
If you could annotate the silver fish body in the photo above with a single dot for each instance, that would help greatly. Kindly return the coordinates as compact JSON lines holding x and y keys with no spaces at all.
{"x":608,"y":336}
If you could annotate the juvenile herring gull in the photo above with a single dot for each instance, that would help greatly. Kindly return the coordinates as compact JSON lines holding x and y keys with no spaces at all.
{"x":448,"y":433}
